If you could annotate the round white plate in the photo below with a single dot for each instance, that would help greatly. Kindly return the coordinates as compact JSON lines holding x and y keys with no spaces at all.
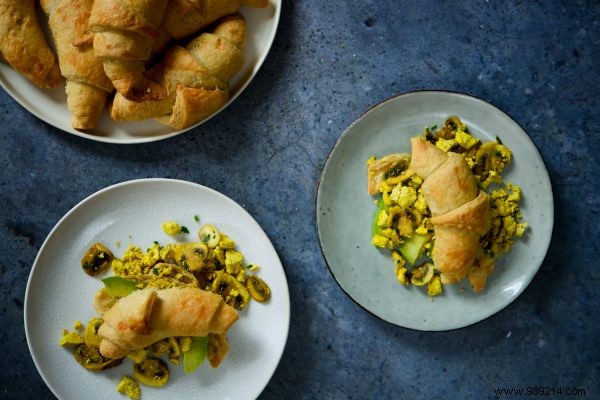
{"x":345,"y":211}
{"x":59,"y":292}
{"x":51,"y":107}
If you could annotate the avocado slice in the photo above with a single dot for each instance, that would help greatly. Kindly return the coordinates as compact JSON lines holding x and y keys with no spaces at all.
{"x":380,"y":207}
{"x":412,"y":248}
{"x":196,"y":355}
{"x":119,"y":287}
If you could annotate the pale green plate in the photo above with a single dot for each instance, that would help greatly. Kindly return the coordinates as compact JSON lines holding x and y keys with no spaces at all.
{"x":345,"y":211}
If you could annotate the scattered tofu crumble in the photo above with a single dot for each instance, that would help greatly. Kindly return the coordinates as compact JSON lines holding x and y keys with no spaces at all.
{"x":129,"y":387}
{"x":171,"y":228}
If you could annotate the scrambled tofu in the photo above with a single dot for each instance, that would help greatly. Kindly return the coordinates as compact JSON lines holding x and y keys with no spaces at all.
{"x":70,"y":338}
{"x":130,"y":388}
{"x":171,"y":228}
{"x":506,"y":219}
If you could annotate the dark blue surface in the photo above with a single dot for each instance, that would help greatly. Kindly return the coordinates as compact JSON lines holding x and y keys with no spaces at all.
{"x":537,"y":61}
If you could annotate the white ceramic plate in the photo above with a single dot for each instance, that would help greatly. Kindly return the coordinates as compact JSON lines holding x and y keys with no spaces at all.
{"x":50,"y":105}
{"x":59,"y":292}
{"x":345,"y":211}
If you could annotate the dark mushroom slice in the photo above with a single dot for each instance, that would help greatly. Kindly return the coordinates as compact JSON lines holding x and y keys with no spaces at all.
{"x":90,"y":358}
{"x":422,"y":274}
{"x":96,"y":259}
{"x":491,"y":156}
{"x":454,"y":124}
{"x":151,"y":372}
{"x":195,"y":255}
{"x":258,"y":289}
{"x":233,"y":292}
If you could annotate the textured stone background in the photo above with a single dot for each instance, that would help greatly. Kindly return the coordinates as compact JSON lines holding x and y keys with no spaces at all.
{"x":537,"y":61}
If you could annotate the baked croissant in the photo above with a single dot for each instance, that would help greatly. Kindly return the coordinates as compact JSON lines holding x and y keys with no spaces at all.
{"x":460,"y":211}
{"x":195,"y":78}
{"x":87,"y":84}
{"x":377,"y":169}
{"x":185,"y":17}
{"x":149,"y":315}
{"x":125,"y":31}
{"x":23,"y":45}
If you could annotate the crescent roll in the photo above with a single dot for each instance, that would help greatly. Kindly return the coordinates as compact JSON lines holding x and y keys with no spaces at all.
{"x":23,"y":45}
{"x":196,"y":78}
{"x":460,"y":211}
{"x":87,"y":85}
{"x":124,"y":33}
{"x":149,"y":315}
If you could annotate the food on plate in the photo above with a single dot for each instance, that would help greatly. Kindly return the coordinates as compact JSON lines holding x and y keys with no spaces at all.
{"x":185,"y":17}
{"x":87,"y":85}
{"x":148,"y":315}
{"x":172,"y":228}
{"x":445,"y":212}
{"x":96,"y":259}
{"x":124,"y":33}
{"x":175,"y":302}
{"x":23,"y":44}
{"x":104,"y":45}
{"x":151,"y":372}
{"x":195,"y":78}
{"x":460,"y":211}
{"x":129,"y":387}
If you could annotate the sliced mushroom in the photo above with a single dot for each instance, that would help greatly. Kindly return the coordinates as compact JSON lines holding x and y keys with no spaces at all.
{"x":258,"y":289}
{"x":491,"y":156}
{"x":210,"y":235}
{"x":151,"y":372}
{"x":392,"y":165}
{"x":90,"y":358}
{"x":96,"y":259}
{"x":195,"y":255}
{"x":90,"y":335}
{"x":422,"y":274}
{"x":233,"y":292}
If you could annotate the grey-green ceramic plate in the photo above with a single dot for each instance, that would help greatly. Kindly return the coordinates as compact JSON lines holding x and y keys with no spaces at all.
{"x":345,"y":211}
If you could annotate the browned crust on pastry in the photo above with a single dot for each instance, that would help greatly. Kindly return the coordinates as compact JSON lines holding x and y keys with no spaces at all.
{"x":147,"y":316}
{"x":425,"y":157}
{"x":23,"y":44}
{"x":195,"y":78}
{"x":450,"y":186}
{"x":454,"y":251}
{"x":474,"y":215}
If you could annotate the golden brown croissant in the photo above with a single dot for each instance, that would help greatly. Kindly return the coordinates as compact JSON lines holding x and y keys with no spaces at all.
{"x":460,"y":211}
{"x":147,"y":316}
{"x":23,"y":45}
{"x":87,"y":84}
{"x":377,"y":169}
{"x":185,"y":17}
{"x":196,"y":78}
{"x":125,"y":31}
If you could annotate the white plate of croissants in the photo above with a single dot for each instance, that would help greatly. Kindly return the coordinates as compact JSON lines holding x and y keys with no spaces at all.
{"x":345,"y":214}
{"x":59,"y":293}
{"x":130,"y":71}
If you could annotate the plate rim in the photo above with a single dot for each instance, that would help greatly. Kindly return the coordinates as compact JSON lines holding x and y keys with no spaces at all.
{"x":76,"y":207}
{"x":133,"y":140}
{"x":347,"y":131}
